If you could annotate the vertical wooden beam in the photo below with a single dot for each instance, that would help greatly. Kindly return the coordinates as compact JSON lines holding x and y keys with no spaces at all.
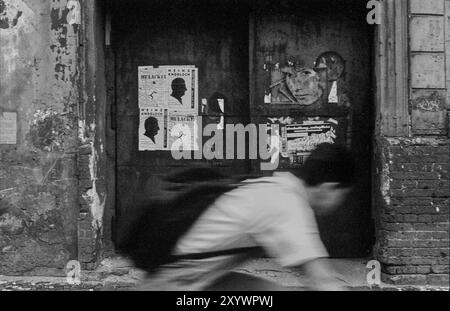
{"x":392,"y":70}
{"x":251,"y":57}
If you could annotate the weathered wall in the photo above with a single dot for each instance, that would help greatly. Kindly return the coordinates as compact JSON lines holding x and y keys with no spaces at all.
{"x":38,"y":186}
{"x":413,"y":206}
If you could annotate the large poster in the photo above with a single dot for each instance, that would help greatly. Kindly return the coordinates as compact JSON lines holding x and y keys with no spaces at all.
{"x":167,"y":95}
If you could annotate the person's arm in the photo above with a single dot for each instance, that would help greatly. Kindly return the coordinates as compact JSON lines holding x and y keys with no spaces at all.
{"x":321,"y":275}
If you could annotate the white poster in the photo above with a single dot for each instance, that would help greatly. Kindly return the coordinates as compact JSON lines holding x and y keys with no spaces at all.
{"x":164,"y":92}
{"x":183,"y":85}
{"x":183,"y":132}
{"x":153,"y":133}
{"x":172,"y":87}
{"x":152,"y":87}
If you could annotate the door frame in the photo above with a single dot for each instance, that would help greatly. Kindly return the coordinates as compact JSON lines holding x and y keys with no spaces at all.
{"x":95,"y":109}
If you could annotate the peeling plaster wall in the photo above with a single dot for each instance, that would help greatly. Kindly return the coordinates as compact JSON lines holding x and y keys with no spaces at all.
{"x":38,"y":176}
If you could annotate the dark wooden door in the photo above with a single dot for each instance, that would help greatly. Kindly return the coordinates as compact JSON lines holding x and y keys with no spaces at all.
{"x":302,"y":31}
{"x":231,"y":42}
{"x":153,"y":33}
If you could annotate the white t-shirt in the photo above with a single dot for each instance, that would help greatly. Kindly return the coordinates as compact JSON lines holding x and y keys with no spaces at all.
{"x":271,"y":212}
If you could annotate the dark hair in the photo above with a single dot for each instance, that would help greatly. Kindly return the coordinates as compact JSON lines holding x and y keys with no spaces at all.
{"x":328,"y":163}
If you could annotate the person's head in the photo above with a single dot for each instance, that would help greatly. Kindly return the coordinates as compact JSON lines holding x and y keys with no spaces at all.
{"x":328,"y":173}
{"x":151,"y":128}
{"x":178,"y":88}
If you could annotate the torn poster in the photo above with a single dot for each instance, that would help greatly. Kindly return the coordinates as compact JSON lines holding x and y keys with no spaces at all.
{"x":299,"y":136}
{"x":183,"y":132}
{"x":303,"y":137}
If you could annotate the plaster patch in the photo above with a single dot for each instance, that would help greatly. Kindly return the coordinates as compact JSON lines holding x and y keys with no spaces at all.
{"x":10,"y":223}
{"x":92,"y":197}
{"x":16,"y":16}
{"x":386,"y":181}
{"x":48,"y":130}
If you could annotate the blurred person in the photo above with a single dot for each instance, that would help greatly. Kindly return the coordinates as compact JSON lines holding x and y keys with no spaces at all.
{"x":275,"y":214}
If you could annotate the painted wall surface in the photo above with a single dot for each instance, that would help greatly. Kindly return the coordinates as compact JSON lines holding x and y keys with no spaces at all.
{"x":38,"y":187}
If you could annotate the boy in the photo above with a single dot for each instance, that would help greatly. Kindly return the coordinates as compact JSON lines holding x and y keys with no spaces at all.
{"x":275,"y":213}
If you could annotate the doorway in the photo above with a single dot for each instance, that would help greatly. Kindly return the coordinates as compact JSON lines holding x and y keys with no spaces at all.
{"x":236,"y":45}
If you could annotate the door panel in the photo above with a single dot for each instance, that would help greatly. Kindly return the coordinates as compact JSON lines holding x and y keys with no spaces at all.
{"x":214,"y":36}
{"x":157,"y":33}
{"x":302,"y":31}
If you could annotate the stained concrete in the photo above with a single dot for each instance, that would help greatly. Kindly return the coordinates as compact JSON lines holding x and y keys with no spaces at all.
{"x":38,"y":186}
{"x":117,"y":274}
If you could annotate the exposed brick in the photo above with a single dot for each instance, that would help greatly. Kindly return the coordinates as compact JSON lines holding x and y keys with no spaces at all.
{"x":432,"y":252}
{"x":440,"y":269}
{"x":419,"y":193}
{"x":429,"y":243}
{"x":400,"y":269}
{"x":415,"y":175}
{"x":438,"y":279}
{"x":401,"y":184}
{"x":423,"y":269}
{"x":398,"y":243}
{"x":409,"y":260}
{"x":431,"y":226}
{"x":404,"y":279}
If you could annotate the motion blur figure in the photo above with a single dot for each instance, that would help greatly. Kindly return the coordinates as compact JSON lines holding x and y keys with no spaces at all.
{"x":275,"y":214}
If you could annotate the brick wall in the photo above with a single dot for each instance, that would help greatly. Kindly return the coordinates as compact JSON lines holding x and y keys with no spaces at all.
{"x":413,"y":224}
{"x":413,"y":206}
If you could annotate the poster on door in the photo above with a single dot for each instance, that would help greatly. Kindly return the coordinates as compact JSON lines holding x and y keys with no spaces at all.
{"x":182,"y":85}
{"x":152,"y":87}
{"x":300,"y":138}
{"x":171,"y":87}
{"x":153,"y":129}
{"x":168,"y":98}
{"x":183,"y":132}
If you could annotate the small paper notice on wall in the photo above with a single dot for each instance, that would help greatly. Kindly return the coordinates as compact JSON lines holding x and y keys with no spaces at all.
{"x":333,"y":97}
{"x":8,"y":128}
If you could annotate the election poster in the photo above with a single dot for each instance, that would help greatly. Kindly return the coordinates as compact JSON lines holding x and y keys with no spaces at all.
{"x":153,"y":131}
{"x":152,"y":87}
{"x":183,"y":84}
{"x":168,"y":95}
{"x":183,"y":132}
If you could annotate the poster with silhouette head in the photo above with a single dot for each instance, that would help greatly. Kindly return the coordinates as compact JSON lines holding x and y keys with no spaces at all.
{"x":172,"y":87}
{"x":153,"y":129}
{"x":167,"y":94}
{"x":182,"y":89}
